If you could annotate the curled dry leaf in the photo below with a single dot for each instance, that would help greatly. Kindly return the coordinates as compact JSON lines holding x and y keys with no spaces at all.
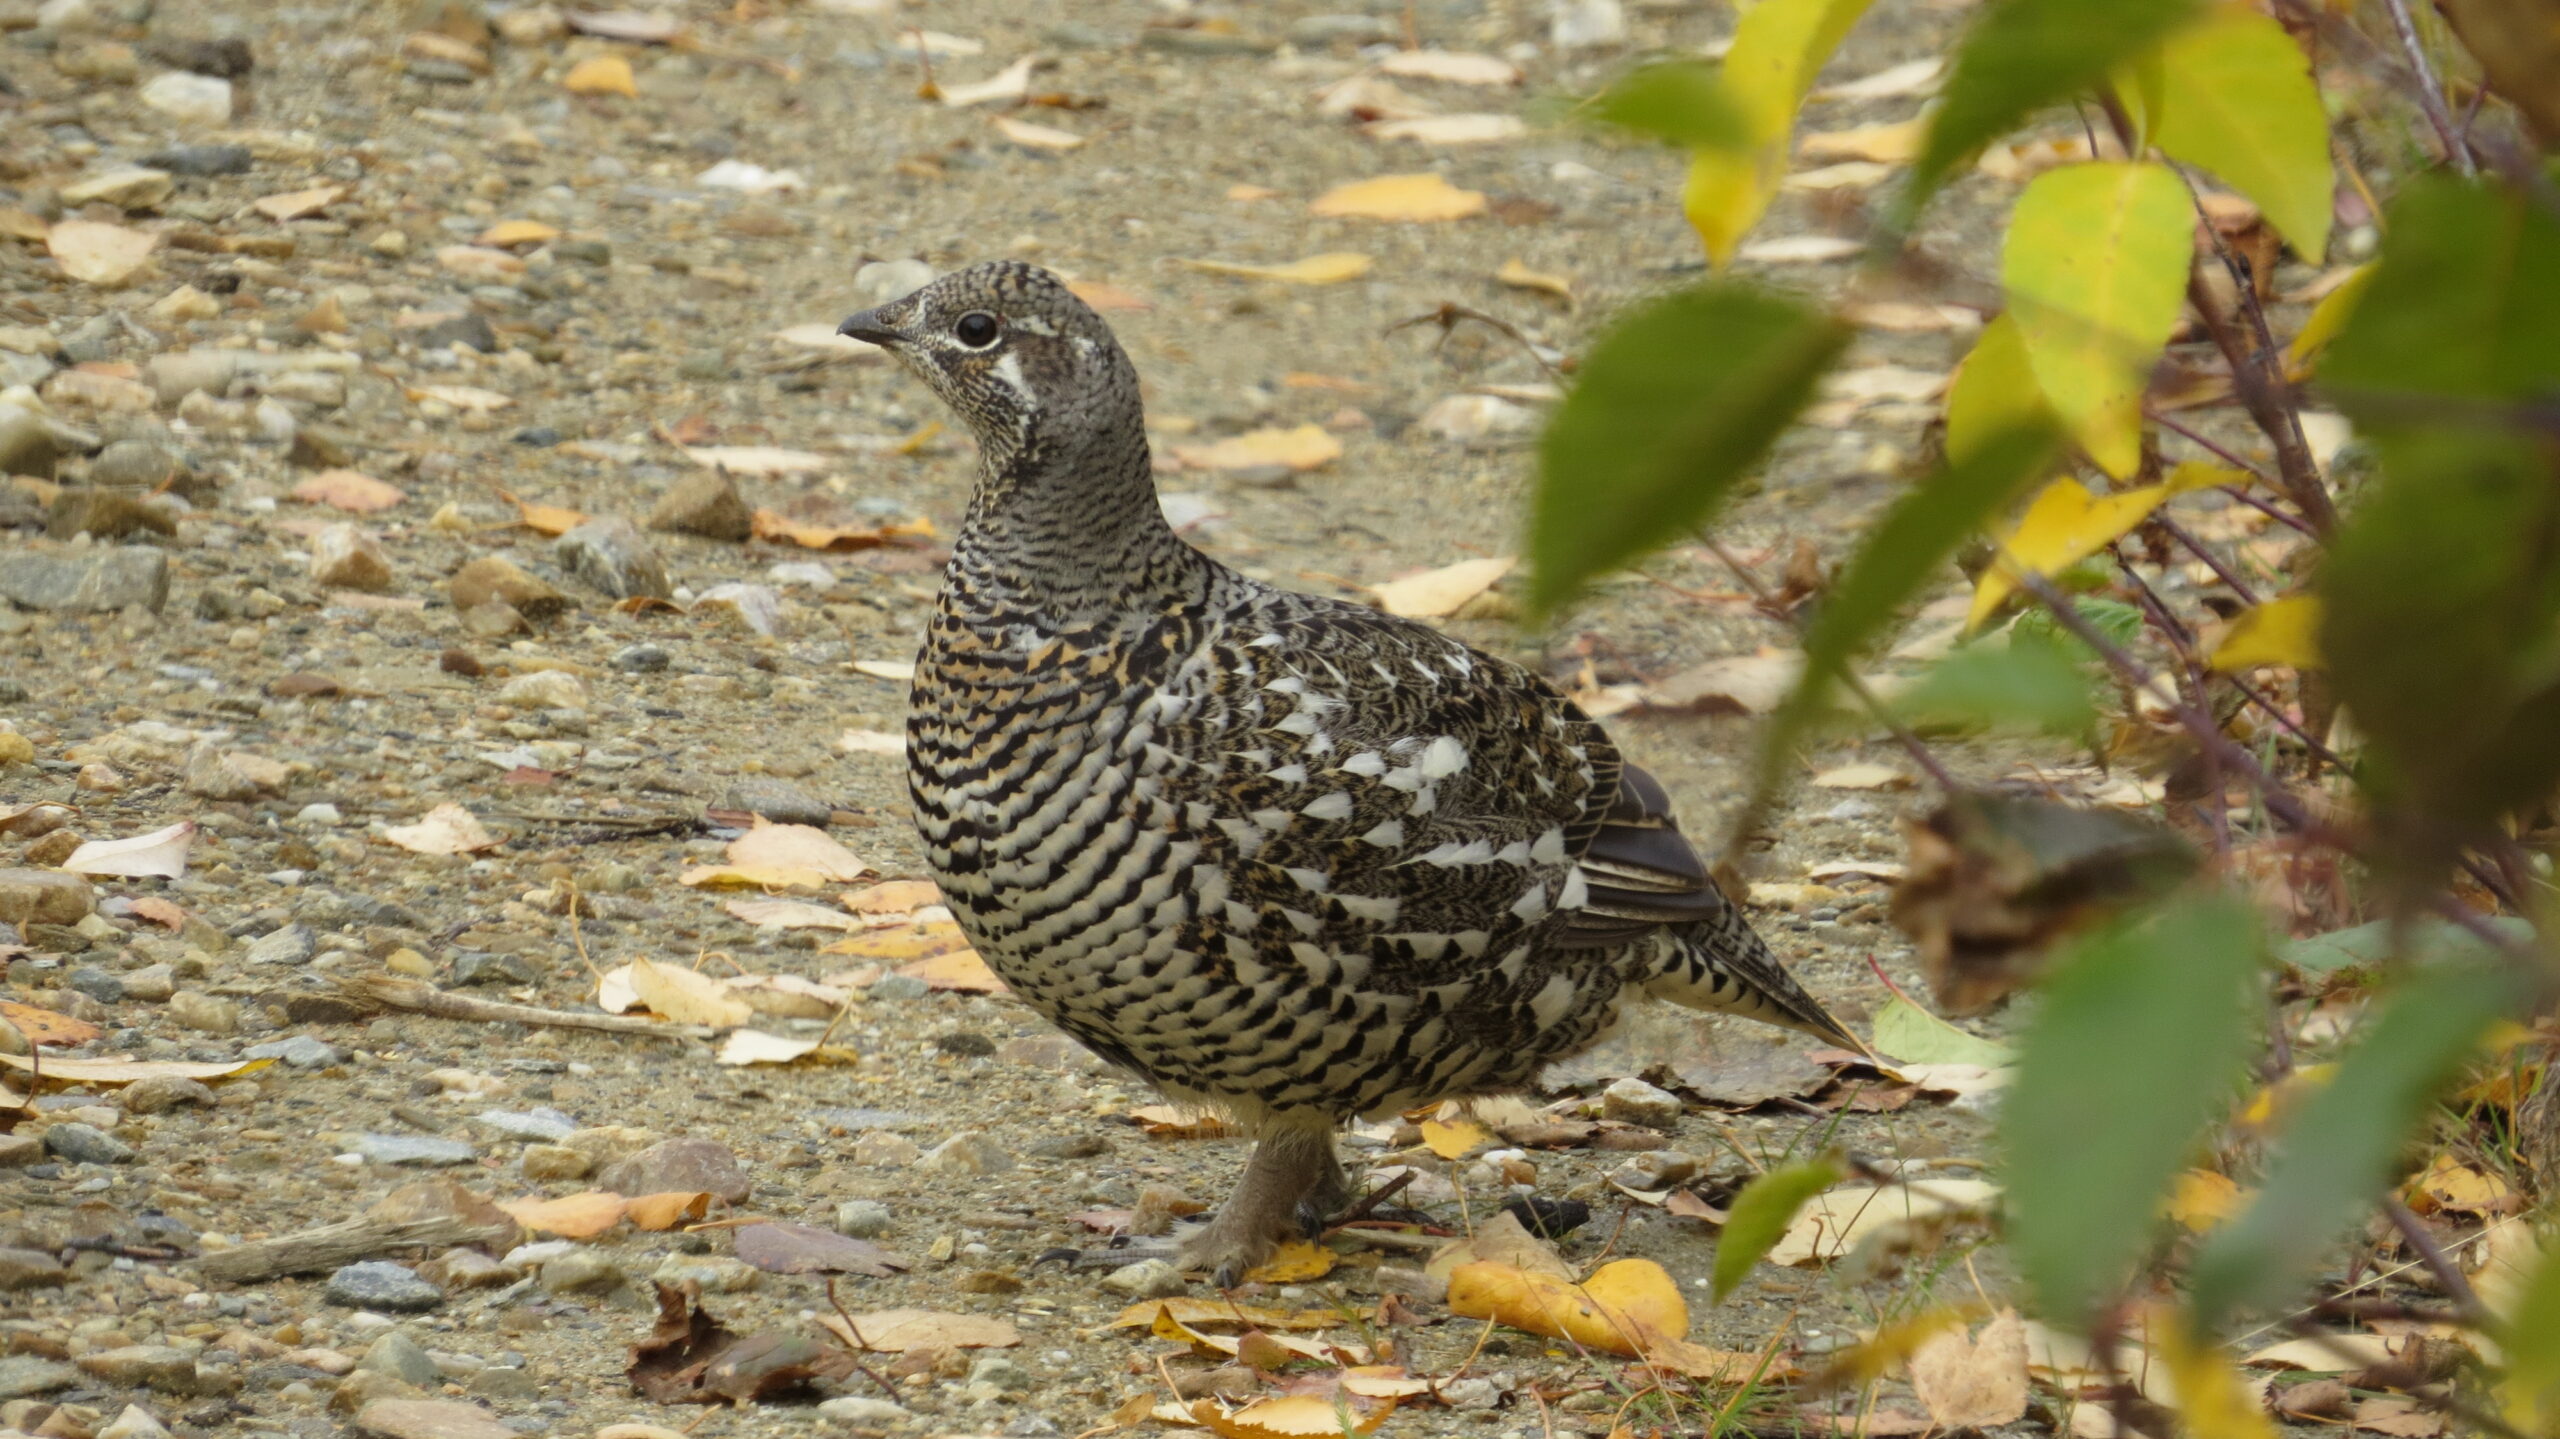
{"x":131,"y":1071}
{"x":1295,"y":1262}
{"x":788,"y":996}
{"x":1847,"y":175}
{"x":758,"y":459}
{"x":1013,"y":82}
{"x":614,"y":994}
{"x":790,"y":914}
{"x":1862,"y":776}
{"x":1834,"y":1223}
{"x":656,"y":1212}
{"x":446,"y":829}
{"x":1294,"y":1416}
{"x":1036,"y":137}
{"x":1894,"y":144}
{"x":1977,"y":1382}
{"x":896,"y":1331}
{"x":900,"y":670}
{"x":1327,"y":269}
{"x":351,"y":490}
{"x":1454,"y":1139}
{"x":1437,"y":594}
{"x":1416,"y":198}
{"x":572,"y":1216}
{"x":894,"y":896}
{"x":1306,"y":447}
{"x":160,"y":854}
{"x":1624,"y":1308}
{"x":1801,"y":250}
{"x":688,"y":996}
{"x":837,"y":539}
{"x":1221,"y":1314}
{"x":692,"y":1358}
{"x":1173,"y":1121}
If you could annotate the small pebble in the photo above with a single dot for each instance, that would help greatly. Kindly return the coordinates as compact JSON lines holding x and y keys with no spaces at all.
{"x":381,"y":1285}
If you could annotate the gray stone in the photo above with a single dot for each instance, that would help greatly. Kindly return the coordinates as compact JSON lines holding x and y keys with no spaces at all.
{"x":418,"y":1149}
{"x":500,"y":1381}
{"x":86,"y":1144}
{"x":44,"y":896}
{"x":716,"y":1273}
{"x":896,"y":988}
{"x":1146,"y":1279}
{"x":861,"y":1411}
{"x":704,"y":503}
{"x":579,"y":1269}
{"x":968,"y":1154}
{"x":102,"y":580}
{"x":134,"y":1423}
{"x":152,"y":984}
{"x":545,"y":1124}
{"x":127,"y":187}
{"x":469,"y":328}
{"x":381,"y":1285}
{"x":1635,"y":1102}
{"x":293,"y":944}
{"x":29,"y":1269}
{"x":25,"y":1374}
{"x":103,"y":985}
{"x":160,"y":1093}
{"x":640,"y":659}
{"x":399,"y":1356}
{"x":133,"y":465}
{"x":196,"y":1010}
{"x":1318,"y":30}
{"x":302,"y":1052}
{"x":778,"y":800}
{"x":863,"y":1218}
{"x":1002,"y":1371}
{"x":472,"y":967}
{"x":680,"y":1166}
{"x":147,"y":1366}
{"x":429,"y":1419}
{"x":17,"y":1151}
{"x":612,"y":555}
{"x":202,"y":161}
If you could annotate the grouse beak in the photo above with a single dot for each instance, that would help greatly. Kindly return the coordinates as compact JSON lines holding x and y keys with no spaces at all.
{"x":871,"y":325}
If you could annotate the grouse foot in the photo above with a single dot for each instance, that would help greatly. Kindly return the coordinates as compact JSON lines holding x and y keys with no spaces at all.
{"x":1291,"y":1187}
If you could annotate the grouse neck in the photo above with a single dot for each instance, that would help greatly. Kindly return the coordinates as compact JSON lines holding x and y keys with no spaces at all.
{"x":1073,"y":539}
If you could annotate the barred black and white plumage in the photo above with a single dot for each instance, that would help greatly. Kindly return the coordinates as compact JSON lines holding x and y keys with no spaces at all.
{"x":1281,"y":854}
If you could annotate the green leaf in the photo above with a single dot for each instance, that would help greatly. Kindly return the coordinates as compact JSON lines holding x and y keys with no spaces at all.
{"x":2146,"y":1029}
{"x":1906,"y":1032}
{"x":2532,"y":1339}
{"x":2114,"y":619}
{"x":2442,"y":618}
{"x":2026,"y":682}
{"x":1901,"y":552}
{"x":1993,"y":390}
{"x":1778,"y":47}
{"x":1673,"y":408}
{"x":2096,"y":269}
{"x":1760,"y":1216}
{"x":2235,"y":97}
{"x":2344,"y":1142}
{"x":1683,"y":102}
{"x":2019,"y":57}
{"x":2421,"y":940}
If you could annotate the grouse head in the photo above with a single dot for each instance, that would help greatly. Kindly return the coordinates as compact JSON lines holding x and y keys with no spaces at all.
{"x":1031,"y":368}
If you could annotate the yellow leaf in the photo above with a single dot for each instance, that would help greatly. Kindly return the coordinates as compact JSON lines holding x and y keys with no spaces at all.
{"x":128,"y":1071}
{"x":961,"y":970}
{"x":2193,"y":475}
{"x":2096,"y":270}
{"x":922,"y":941}
{"x":1204,"y":1313}
{"x":1623,"y":1308}
{"x":2202,"y":1199}
{"x":1976,"y":1382}
{"x":780,"y":856}
{"x":1326,"y":269}
{"x":575,"y":1216}
{"x":687,"y":996}
{"x":2450,"y":1184}
{"x":1294,"y":1416}
{"x":1292,"y":1263}
{"x":755,"y":1046}
{"x":1520,"y":277}
{"x":665,"y":1211}
{"x":1993,"y":389}
{"x":2232,"y":93}
{"x":1400,"y":197}
{"x":601,"y":75}
{"x":1454,"y":1139}
{"x":1175,"y":1121}
{"x":506,"y":234}
{"x":1778,"y":47}
{"x":1437,"y":594}
{"x":2064,"y":525}
{"x":1893,"y":144}
{"x":1306,"y":447}
{"x":2210,"y":1395}
{"x":2324,"y":322}
{"x":2279,"y":632}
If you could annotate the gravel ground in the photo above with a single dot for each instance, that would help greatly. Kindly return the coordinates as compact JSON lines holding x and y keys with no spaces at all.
{"x":208,"y":644}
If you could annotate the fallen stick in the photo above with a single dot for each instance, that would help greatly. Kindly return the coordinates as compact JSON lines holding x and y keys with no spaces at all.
{"x":345,"y":1242}
{"x":415,"y":996}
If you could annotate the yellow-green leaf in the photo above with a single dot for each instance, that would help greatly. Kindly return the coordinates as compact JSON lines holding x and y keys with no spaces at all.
{"x":2532,"y":1338}
{"x":1777,"y":50}
{"x":2064,"y":525}
{"x":2210,"y":1396}
{"x":1993,"y":390}
{"x":2279,"y":632}
{"x":2096,"y":270}
{"x":2193,"y":475}
{"x":2324,"y":322}
{"x":2235,"y":97}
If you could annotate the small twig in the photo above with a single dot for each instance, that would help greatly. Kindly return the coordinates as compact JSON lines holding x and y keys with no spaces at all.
{"x":419,"y":997}
{"x":856,"y":1343}
{"x":1369,"y":1202}
{"x":2448,"y":1276}
{"x":2430,"y":93}
{"x":577,"y":934}
{"x":2229,"y":577}
{"x":1451,"y":312}
{"x":2227,"y":457}
{"x":2442,"y":1403}
{"x":1911,"y":743}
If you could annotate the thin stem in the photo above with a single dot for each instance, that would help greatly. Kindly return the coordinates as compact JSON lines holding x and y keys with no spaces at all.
{"x":2449,"y":1276}
{"x":2430,"y":94}
{"x":1912,"y":744}
{"x":2196,"y":547}
{"x":2227,"y":457}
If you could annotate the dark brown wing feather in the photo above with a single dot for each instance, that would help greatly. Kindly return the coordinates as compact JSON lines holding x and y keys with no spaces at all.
{"x":1643,"y":873}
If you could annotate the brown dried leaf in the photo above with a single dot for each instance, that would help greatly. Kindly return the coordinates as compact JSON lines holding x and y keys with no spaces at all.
{"x":349,"y":490}
{"x":1169,"y":1121}
{"x":1326,"y":269}
{"x":1221,"y":1314}
{"x":573,"y":1216}
{"x":665,"y":1211}
{"x":1418,"y":198}
{"x":43,"y":1026}
{"x":1973,"y":1383}
{"x":1437,"y":594}
{"x":835,"y":539}
{"x":896,"y":1331}
{"x":692,"y":1358}
{"x":1306,"y":447}
{"x":446,"y":829}
{"x":688,"y":996}
{"x":803,"y":1249}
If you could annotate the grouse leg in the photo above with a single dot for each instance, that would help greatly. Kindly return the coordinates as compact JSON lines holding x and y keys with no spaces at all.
{"x":1293,"y":1171}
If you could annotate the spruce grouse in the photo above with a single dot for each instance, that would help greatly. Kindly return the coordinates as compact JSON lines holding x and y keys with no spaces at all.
{"x":1284,"y":856}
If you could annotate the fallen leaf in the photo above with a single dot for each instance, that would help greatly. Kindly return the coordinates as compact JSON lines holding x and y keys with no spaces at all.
{"x":1834,"y":1223}
{"x":2449,"y":1184}
{"x":1013,"y":82}
{"x":895,"y":896}
{"x":754,"y":1046}
{"x":1465,"y":129}
{"x":1912,"y":77}
{"x":1306,"y":447}
{"x":2279,"y":632}
{"x":819,"y":335}
{"x":96,"y":253}
{"x":1035,"y":137}
{"x":901,"y":670}
{"x":507,"y":234}
{"x":896,"y":1331}
{"x":687,"y":996}
{"x":1421,"y":197}
{"x":1862,"y":776}
{"x":349,"y":490}
{"x":922,"y":940}
{"x":655,"y":1212}
{"x":834,"y":539}
{"x":780,"y":856}
{"x":1294,"y":1262}
{"x":614,"y":994}
{"x":1326,"y":269}
{"x":43,"y":1026}
{"x":692,"y":1358}
{"x":1294,"y":1416}
{"x":602,"y":75}
{"x":446,"y":829}
{"x":1519,"y":276}
{"x":1247,"y":194}
{"x":788,"y":996}
{"x":1106,"y":297}
{"x":1500,"y":1240}
{"x":161,"y":854}
{"x":161,"y":912}
{"x":1460,"y":69}
{"x":573,"y":1216}
{"x":1437,"y":594}
{"x":1801,"y":250}
{"x":1173,"y":1121}
{"x":1221,"y":1313}
{"x":1732,"y":684}
{"x":1624,"y":1308}
{"x":1847,"y":175}
{"x":2328,"y":1354}
{"x":961,"y":971}
{"x":551,"y":520}
{"x":1454,"y":1139}
{"x":758,"y":459}
{"x":1893,"y":144}
{"x":790,"y":914}
{"x":2202,"y":1199}
{"x":805,"y":1249}
{"x":2394,"y":1415}
{"x":871,"y":741}
{"x":1977,"y":1382}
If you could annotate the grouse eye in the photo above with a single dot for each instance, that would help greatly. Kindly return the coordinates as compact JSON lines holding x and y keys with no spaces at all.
{"x":977,"y":329}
